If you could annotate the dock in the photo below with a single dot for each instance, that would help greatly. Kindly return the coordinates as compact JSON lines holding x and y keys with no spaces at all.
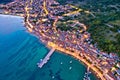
{"x":47,"y":57}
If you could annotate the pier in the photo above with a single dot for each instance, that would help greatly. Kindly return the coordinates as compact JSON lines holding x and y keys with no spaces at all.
{"x":47,"y":57}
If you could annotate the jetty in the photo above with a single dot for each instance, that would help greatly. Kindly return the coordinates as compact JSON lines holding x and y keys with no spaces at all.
{"x":47,"y":57}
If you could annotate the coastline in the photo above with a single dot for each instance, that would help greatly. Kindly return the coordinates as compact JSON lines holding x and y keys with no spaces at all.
{"x":9,"y":15}
{"x":48,"y":23}
{"x":51,"y":46}
{"x":46,"y":45}
{"x":62,"y":52}
{"x":43,"y":24}
{"x":29,"y":26}
{"x":76,"y":56}
{"x":14,"y":15}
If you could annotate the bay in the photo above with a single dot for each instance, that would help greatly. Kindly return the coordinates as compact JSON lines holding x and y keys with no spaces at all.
{"x":20,"y":51}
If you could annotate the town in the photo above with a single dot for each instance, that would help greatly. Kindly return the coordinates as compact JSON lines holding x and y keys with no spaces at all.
{"x":44,"y":18}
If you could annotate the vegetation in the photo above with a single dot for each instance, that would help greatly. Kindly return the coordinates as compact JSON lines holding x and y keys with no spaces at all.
{"x":65,"y":26}
{"x":103,"y":23}
{"x":104,"y":28}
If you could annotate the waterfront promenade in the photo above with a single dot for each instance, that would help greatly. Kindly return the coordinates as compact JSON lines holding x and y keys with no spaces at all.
{"x":47,"y":57}
{"x":77,"y":56}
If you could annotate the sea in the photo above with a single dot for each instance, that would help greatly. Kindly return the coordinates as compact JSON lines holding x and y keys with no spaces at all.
{"x":20,"y":51}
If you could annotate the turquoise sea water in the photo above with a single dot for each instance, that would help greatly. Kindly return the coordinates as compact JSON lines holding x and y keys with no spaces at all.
{"x":20,"y":52}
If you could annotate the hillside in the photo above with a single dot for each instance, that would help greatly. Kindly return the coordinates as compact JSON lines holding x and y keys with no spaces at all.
{"x":103,"y":22}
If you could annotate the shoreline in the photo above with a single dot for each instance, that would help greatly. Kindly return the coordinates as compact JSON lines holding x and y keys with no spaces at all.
{"x":29,"y":25}
{"x":9,"y":15}
{"x":12,"y":15}
{"x":61,"y":49}
{"x":101,"y":76}
{"x":50,"y":47}
{"x":93,"y":72}
{"x":77,"y":57}
{"x":57,"y":26}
